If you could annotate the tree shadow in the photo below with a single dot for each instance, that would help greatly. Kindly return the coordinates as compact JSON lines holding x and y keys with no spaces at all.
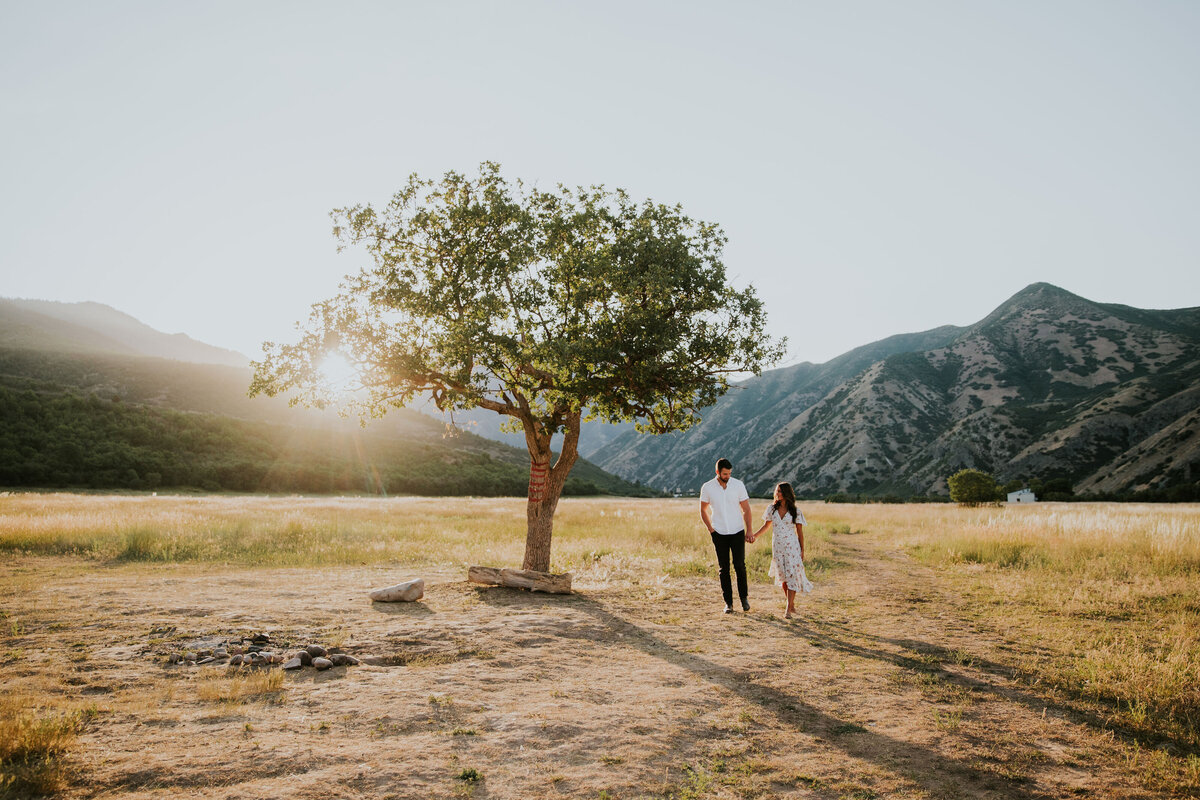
{"x":929,"y":769}
{"x":509,"y":597}
{"x":830,"y":635}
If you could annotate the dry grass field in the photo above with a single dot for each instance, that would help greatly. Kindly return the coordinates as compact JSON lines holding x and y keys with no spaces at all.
{"x":1018,"y":652}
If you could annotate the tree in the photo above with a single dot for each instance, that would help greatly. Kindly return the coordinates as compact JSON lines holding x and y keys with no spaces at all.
{"x":1059,"y":489}
{"x":971,"y":487}
{"x":547,"y":307}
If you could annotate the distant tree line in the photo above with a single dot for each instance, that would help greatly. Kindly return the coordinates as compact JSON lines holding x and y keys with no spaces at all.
{"x":1182,"y":493}
{"x":974,"y":487}
{"x":85,"y":442}
{"x":851,"y":497}
{"x":1055,"y":489}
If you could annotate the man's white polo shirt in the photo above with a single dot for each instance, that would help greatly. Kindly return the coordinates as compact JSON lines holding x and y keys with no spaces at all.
{"x":726,"y":505}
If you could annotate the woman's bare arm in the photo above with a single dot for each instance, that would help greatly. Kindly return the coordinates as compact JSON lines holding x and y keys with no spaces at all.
{"x":758,"y":532}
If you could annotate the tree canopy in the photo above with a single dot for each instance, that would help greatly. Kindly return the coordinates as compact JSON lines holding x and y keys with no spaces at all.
{"x":972,"y":487}
{"x":543,"y":306}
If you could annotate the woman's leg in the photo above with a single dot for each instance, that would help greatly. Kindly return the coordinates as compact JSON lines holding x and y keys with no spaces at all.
{"x":791,"y":597}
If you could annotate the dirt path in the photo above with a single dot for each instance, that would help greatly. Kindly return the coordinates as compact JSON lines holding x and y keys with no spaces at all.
{"x":631,"y":688}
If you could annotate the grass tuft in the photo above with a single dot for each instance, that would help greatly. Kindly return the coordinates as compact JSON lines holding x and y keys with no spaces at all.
{"x":34,"y":746}
{"x":241,"y":687}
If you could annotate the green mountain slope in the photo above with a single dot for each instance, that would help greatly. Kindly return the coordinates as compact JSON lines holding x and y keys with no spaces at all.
{"x":105,"y":418}
{"x":72,"y":441}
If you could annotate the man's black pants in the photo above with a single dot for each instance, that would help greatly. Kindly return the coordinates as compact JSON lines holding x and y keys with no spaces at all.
{"x":735,"y":544}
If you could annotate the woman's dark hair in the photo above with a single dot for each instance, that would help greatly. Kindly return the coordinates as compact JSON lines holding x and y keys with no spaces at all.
{"x":789,"y":499}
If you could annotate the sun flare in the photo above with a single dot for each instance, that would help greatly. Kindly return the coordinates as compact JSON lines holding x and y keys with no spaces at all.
{"x":339,"y":373}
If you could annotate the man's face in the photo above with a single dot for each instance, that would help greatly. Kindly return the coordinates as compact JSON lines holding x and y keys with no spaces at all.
{"x":723,"y":475}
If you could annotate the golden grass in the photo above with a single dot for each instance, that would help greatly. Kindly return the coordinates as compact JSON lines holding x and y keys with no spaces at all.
{"x":216,"y":686}
{"x":34,"y":744}
{"x":1093,"y":540}
{"x":306,"y":531}
{"x":1113,"y":590}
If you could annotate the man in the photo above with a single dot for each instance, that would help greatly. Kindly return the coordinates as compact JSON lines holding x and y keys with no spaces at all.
{"x":725,"y":511}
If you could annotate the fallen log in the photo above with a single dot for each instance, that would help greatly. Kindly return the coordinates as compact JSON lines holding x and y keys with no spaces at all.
{"x":522,"y":579}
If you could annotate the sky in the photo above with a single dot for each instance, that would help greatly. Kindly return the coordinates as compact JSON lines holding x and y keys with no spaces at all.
{"x":878,"y":167}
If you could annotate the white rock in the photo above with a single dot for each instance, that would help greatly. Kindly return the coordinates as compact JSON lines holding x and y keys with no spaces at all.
{"x":406,"y":592}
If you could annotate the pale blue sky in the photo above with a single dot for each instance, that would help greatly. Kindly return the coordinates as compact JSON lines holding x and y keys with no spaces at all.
{"x":879,"y":167}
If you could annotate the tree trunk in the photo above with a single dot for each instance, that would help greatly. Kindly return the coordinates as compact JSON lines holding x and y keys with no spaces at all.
{"x":539,"y":516}
{"x":545,"y":487}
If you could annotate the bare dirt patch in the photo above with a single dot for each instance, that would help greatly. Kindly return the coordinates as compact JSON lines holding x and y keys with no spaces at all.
{"x":628,"y":688}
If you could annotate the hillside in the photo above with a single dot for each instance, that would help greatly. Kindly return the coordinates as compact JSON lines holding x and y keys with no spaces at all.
{"x":750,"y":413}
{"x":775,"y":390}
{"x":45,"y":325}
{"x":104,"y":417}
{"x":1050,"y":385}
{"x":66,"y":440}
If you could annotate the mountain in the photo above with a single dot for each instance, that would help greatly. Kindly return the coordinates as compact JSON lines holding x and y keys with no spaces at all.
{"x":749,"y":414}
{"x":786,"y":387}
{"x":1048,"y":386}
{"x":45,"y":325}
{"x":81,"y":404}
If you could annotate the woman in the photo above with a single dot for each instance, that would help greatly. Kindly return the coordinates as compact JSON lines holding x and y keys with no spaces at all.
{"x":787,"y":545}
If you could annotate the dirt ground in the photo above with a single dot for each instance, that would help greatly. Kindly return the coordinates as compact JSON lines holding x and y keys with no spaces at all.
{"x":636,"y":687}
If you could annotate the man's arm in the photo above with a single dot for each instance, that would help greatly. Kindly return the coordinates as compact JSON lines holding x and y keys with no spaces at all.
{"x":746,"y":516}
{"x":706,"y":515}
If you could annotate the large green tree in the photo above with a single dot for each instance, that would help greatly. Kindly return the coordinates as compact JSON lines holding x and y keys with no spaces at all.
{"x":547,"y":307}
{"x":971,"y":487}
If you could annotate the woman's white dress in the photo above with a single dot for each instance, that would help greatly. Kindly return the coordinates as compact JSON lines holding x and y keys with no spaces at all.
{"x":786,"y":564}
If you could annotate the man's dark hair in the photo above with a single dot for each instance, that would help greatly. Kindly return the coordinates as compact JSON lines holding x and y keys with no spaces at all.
{"x":723,"y":463}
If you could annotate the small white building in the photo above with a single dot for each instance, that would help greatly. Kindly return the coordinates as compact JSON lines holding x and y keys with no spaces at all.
{"x":1023,"y":496}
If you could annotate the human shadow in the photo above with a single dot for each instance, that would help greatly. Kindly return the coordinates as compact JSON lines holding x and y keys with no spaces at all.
{"x":832,"y":635}
{"x":931,"y":770}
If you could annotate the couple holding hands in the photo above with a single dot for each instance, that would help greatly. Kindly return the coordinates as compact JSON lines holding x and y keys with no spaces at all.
{"x":725,"y":511}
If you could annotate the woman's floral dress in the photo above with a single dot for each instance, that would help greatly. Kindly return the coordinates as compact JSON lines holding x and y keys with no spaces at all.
{"x":786,"y":564}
